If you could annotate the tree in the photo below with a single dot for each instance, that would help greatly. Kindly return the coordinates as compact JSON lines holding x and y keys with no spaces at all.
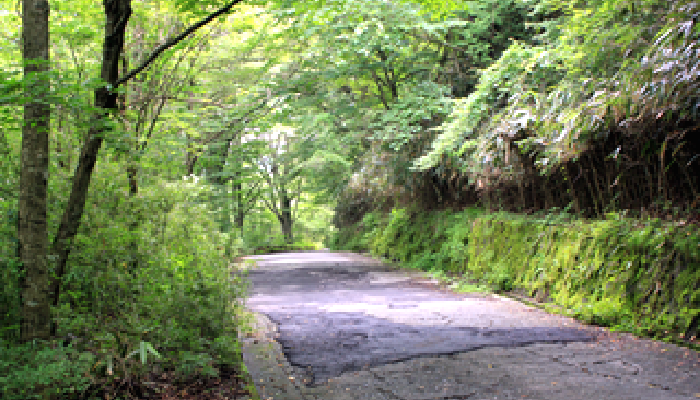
{"x":33,"y":228}
{"x":114,"y":74}
{"x":280,"y":172}
{"x":117,"y":13}
{"x":366,"y":71}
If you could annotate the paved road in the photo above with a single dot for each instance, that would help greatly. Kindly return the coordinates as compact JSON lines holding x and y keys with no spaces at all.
{"x":346,"y":326}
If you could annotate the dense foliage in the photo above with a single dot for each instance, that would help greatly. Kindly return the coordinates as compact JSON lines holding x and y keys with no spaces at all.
{"x":622,"y":101}
{"x":223,"y":128}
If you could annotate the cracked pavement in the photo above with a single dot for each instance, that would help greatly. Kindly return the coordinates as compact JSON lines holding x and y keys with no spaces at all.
{"x":344,"y":326}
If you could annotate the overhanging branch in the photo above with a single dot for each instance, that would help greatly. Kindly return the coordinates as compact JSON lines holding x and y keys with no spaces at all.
{"x":172,"y":42}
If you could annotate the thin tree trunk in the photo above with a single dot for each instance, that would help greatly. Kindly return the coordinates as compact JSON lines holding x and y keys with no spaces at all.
{"x":285,"y":218}
{"x":134,"y":224}
{"x":238,"y":201}
{"x":33,"y":228}
{"x":117,"y":14}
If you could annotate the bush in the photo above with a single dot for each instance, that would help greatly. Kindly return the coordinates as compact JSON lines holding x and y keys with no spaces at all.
{"x":179,"y":297}
{"x":41,"y":371}
{"x":147,"y":290}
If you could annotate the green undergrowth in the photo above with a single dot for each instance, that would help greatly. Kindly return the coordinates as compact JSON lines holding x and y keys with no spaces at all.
{"x":640,"y":276}
{"x":285,"y":247}
{"x":148,"y":292}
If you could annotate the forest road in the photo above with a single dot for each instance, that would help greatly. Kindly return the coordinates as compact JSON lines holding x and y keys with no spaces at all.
{"x":344,"y":326}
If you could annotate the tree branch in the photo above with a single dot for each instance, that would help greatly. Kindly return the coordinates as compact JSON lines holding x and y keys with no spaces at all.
{"x":172,"y":42}
{"x":378,"y":81}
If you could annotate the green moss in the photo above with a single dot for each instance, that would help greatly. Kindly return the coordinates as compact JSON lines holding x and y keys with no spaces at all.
{"x":640,"y":276}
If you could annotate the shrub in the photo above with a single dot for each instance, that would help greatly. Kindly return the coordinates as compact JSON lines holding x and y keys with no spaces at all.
{"x":41,"y":371}
{"x":147,"y":289}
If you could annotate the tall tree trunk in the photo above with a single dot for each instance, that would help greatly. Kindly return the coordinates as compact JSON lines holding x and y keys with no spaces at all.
{"x":33,"y":228}
{"x":117,"y":13}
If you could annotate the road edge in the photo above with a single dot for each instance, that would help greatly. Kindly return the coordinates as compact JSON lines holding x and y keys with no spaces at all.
{"x":267,"y":365}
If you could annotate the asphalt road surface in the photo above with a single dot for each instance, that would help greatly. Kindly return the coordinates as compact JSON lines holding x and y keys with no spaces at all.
{"x":340,"y":326}
{"x":335,"y":318}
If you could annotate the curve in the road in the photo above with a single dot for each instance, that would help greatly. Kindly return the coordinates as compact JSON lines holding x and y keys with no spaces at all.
{"x":334,"y":319}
